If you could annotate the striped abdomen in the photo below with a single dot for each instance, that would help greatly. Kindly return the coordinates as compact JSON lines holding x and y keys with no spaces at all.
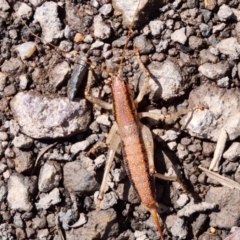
{"x":135,"y":153}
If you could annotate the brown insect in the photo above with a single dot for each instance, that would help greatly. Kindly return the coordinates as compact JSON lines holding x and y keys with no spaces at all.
{"x":136,"y":138}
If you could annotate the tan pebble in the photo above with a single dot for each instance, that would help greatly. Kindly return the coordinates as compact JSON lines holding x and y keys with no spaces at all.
{"x":213,"y":230}
{"x":78,"y":38}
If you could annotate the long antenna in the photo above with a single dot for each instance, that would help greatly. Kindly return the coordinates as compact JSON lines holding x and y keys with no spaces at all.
{"x":63,"y":51}
{"x":128,"y":38}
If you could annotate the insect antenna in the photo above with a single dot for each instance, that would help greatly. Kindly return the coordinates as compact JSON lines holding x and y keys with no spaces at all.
{"x":90,"y":64}
{"x":128,"y":38}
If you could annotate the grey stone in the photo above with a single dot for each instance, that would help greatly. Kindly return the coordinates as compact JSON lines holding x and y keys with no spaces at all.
{"x":192,"y":208}
{"x":224,"y":13}
{"x":228,"y":202}
{"x":103,"y":119}
{"x":67,"y":217}
{"x":214,"y":71}
{"x":3,"y":191}
{"x":182,"y":200}
{"x":233,"y":152}
{"x":50,"y":176}
{"x":128,"y":9}
{"x":105,"y":9}
{"x":22,"y":141}
{"x":20,"y":190}
{"x":96,"y":227}
{"x":195,"y":42}
{"x":39,"y":222}
{"x":12,"y":66}
{"x":182,"y":151}
{"x":10,"y":90}
{"x":223,"y":82}
{"x":219,"y":27}
{"x":43,"y":234}
{"x":236,"y":14}
{"x":170,"y":135}
{"x":206,"y":15}
{"x":192,"y":17}
{"x":219,"y":114}
{"x":48,"y":200}
{"x":143,"y":44}
{"x":36,"y":3}
{"x":24,"y":161}
{"x":66,"y":45}
{"x":200,"y":223}
{"x":230,"y":47}
{"x":3,"y":136}
{"x":24,"y":11}
{"x":59,"y":74}
{"x":77,"y":178}
{"x":156,"y":27}
{"x":49,"y":117}
{"x":162,"y":46}
{"x":97,"y":44}
{"x":205,"y":30}
{"x":109,"y":200}
{"x":101,"y":29}
{"x":47,"y":16}
{"x":3,"y":167}
{"x":18,"y":220}
{"x":23,"y":81}
{"x":168,"y":76}
{"x":4,"y":6}
{"x":179,"y":36}
{"x":179,"y":229}
{"x":79,"y":146}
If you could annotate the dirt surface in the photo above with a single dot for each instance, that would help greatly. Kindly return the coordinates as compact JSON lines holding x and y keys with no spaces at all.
{"x":49,"y":172}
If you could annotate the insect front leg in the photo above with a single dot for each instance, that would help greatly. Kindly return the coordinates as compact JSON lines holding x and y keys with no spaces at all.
{"x":92,"y":99}
{"x":113,"y":142}
{"x":145,"y":84}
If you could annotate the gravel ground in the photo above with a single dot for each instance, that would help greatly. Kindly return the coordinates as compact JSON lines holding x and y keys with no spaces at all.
{"x":50,"y":175}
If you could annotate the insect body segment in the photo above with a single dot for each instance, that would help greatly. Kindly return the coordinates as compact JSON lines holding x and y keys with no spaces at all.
{"x":135,"y":153}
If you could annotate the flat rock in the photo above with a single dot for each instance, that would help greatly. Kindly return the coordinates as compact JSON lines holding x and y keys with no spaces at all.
{"x":230,"y":47}
{"x":179,"y":36}
{"x":24,"y":160}
{"x":224,"y":13}
{"x":100,"y":225}
{"x":22,"y":141}
{"x":192,"y":208}
{"x":78,"y":179}
{"x":228,"y":201}
{"x":233,"y":152}
{"x":24,"y":11}
{"x":214,"y":70}
{"x":179,"y":229}
{"x":50,"y":176}
{"x":59,"y":74}
{"x":20,"y":189}
{"x":47,"y":16}
{"x":101,"y":29}
{"x":128,"y":9}
{"x":4,"y":6}
{"x":166,"y":80}
{"x":40,"y":116}
{"x":12,"y":66}
{"x":48,"y":200}
{"x":222,"y":112}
